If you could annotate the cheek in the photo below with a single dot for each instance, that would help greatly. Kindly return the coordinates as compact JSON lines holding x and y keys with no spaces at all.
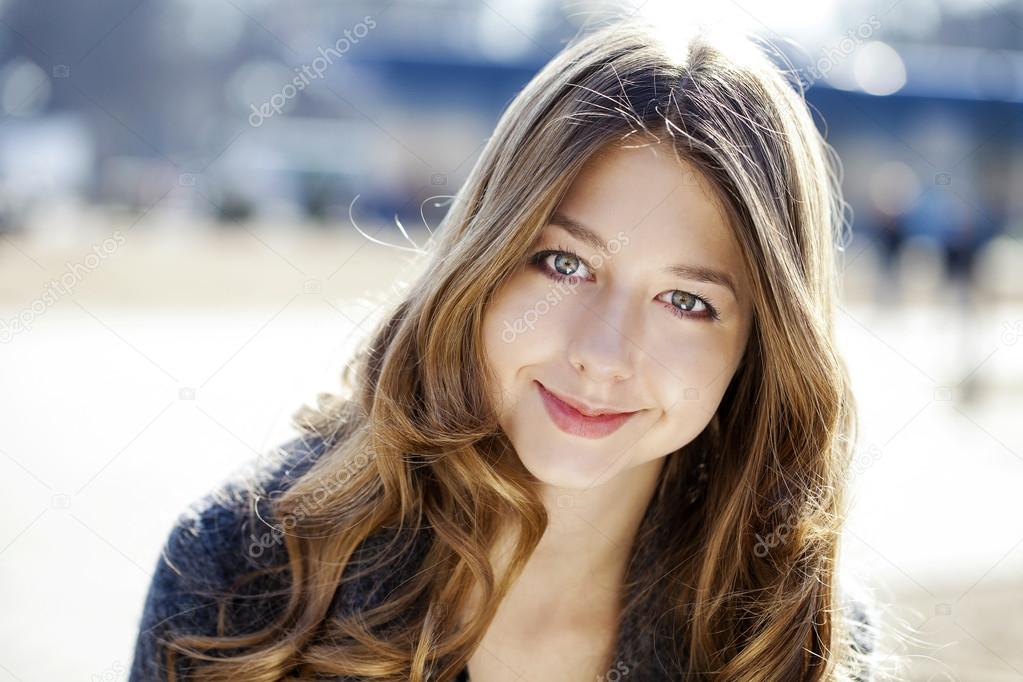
{"x":692,"y":370}
{"x":519,"y":330}
{"x":523,"y":317}
{"x":690,"y":386}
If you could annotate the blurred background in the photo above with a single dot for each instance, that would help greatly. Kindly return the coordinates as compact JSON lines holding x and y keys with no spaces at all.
{"x":191,"y":194}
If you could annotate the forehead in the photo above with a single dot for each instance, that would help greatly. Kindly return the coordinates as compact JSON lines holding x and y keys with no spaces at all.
{"x":662,"y":202}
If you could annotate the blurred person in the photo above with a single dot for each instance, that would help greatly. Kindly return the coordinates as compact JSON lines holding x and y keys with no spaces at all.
{"x":890,"y":238}
{"x":960,"y":231}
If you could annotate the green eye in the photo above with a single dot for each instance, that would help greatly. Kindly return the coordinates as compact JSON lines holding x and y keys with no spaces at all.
{"x":686,"y":304}
{"x":564,"y":259}
{"x":682,"y":304}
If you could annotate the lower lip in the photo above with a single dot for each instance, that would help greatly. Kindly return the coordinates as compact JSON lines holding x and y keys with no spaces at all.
{"x":570,"y":420}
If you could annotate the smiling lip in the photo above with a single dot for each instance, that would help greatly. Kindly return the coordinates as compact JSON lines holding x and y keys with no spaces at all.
{"x":572,"y":421}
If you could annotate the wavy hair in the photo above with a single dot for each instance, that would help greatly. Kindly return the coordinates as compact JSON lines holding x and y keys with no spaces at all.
{"x":419,"y":458}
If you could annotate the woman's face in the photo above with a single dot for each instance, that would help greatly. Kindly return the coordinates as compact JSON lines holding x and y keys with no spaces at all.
{"x":644,"y":321}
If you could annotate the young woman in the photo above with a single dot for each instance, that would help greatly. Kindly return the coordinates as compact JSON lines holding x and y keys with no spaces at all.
{"x":606,"y":434}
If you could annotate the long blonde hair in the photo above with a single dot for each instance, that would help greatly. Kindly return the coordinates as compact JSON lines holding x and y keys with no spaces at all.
{"x":416,"y":456}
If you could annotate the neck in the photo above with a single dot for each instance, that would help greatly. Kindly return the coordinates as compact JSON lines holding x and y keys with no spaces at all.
{"x":579,"y":565}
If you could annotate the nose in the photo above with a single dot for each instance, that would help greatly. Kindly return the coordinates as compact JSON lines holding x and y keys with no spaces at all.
{"x":598,"y":346}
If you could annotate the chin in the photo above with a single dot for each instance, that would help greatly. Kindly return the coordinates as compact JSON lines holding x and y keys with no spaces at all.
{"x":576,"y":468}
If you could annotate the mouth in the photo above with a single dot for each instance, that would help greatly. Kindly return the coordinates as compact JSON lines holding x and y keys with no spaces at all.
{"x":570,"y":419}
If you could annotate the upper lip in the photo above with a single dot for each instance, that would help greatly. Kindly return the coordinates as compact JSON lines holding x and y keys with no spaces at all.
{"x":586,"y":409}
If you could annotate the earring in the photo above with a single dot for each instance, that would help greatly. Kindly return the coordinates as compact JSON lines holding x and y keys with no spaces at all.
{"x":699,"y":469}
{"x":697,"y":477}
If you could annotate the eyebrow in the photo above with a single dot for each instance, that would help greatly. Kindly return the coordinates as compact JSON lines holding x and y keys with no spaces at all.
{"x":697,"y":273}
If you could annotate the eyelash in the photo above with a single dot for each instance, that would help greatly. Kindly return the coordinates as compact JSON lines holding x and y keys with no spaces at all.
{"x":538,"y":258}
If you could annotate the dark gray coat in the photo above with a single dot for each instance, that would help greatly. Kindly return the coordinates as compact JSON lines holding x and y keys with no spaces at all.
{"x":217,"y":539}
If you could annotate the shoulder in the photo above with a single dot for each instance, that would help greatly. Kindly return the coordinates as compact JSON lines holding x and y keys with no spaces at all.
{"x":864,"y":629}
{"x":215,"y":540}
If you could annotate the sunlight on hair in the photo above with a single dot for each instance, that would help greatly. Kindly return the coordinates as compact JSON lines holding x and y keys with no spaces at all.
{"x":674,"y":23}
